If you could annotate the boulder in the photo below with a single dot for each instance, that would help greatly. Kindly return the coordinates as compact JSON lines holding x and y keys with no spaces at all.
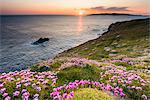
{"x":41,"y":40}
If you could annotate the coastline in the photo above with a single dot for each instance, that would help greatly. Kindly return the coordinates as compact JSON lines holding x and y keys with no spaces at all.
{"x":110,"y":30}
{"x":112,"y":66}
{"x":21,"y":54}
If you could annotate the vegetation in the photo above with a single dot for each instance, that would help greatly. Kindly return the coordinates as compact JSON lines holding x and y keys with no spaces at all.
{"x":91,"y":94}
{"x":113,"y":66}
{"x":78,"y":73}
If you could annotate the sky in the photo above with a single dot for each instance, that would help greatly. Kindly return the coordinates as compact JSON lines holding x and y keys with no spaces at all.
{"x":74,"y":7}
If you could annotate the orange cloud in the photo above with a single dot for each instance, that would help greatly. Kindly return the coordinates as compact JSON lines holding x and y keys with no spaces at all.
{"x":102,"y":9}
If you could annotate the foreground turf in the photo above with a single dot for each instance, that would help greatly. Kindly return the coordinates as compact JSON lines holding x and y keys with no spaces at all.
{"x":91,"y":94}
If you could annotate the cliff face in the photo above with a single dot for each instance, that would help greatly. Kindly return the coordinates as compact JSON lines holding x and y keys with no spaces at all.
{"x":127,"y":38}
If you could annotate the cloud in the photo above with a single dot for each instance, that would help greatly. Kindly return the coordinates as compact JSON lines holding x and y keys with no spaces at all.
{"x":110,"y":9}
{"x":117,"y":9}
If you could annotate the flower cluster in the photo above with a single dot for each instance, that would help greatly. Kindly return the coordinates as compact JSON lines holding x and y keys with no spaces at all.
{"x":78,"y":62}
{"x":113,"y":79}
{"x":72,"y":86}
{"x":118,"y":76}
{"x":124,"y":60}
{"x":24,"y":80}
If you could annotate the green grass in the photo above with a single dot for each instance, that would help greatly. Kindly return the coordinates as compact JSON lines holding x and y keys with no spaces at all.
{"x":124,"y":64}
{"x":78,"y":73}
{"x":91,"y":94}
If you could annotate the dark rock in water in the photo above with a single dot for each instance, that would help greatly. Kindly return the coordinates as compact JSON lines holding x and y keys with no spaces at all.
{"x":41,"y":40}
{"x":95,"y":30}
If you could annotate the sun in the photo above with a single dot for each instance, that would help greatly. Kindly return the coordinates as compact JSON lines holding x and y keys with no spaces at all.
{"x":81,"y":12}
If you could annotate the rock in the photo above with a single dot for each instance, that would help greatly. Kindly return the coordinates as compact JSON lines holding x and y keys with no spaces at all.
{"x":113,"y":51}
{"x":117,"y":36}
{"x":41,"y":40}
{"x":96,"y":30}
{"x":107,"y":48}
{"x":112,"y":55}
{"x":115,"y":43}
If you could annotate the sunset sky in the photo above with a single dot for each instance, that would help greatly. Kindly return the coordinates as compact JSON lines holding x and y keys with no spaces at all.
{"x":74,"y":7}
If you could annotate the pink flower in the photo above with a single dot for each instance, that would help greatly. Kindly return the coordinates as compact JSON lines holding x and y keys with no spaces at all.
{"x":122,"y":94}
{"x":116,"y":94}
{"x":5,"y":94}
{"x":18,"y":86}
{"x":58,"y":97}
{"x":142,"y":84}
{"x":27,"y":84}
{"x":25,"y":95}
{"x":1,"y":85}
{"x":36,"y":96}
{"x":7,"y":98}
{"x":2,"y":90}
{"x":16,"y":93}
{"x":138,"y":88}
{"x":65,"y":95}
{"x":144,"y":97}
{"x":69,"y":97}
{"x":38,"y":88}
{"x":133,"y":87}
{"x":115,"y":84}
{"x":23,"y":91}
{"x":71,"y":93}
{"x":120,"y":89}
{"x":45,"y":82}
{"x":55,"y":93}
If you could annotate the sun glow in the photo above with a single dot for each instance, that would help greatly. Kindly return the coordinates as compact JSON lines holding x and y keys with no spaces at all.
{"x":81,"y":13}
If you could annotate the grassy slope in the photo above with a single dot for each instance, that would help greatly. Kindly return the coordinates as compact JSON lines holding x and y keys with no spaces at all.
{"x":129,"y":38}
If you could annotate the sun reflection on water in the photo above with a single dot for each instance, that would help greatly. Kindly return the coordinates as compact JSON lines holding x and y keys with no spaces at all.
{"x":80,"y":23}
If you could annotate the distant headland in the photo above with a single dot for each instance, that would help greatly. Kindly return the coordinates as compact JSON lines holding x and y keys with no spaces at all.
{"x":116,"y":14}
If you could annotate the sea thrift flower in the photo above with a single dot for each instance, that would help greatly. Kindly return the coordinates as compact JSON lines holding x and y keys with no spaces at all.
{"x":58,"y":97}
{"x":33,"y":85}
{"x":7,"y":98}
{"x":53,"y":94}
{"x":1,"y":85}
{"x":122,"y":94}
{"x":5,"y":94}
{"x":138,"y":88}
{"x":18,"y":86}
{"x":69,"y":97}
{"x":23,"y":91}
{"x":133,"y":87}
{"x":25,"y":96}
{"x":65,"y":95}
{"x":36,"y":96}
{"x":142,"y":84}
{"x":2,"y":90}
{"x":144,"y":97}
{"x":27,"y":84}
{"x":45,"y":82}
{"x":38,"y":88}
{"x":16,"y":93}
{"x":71,"y":93}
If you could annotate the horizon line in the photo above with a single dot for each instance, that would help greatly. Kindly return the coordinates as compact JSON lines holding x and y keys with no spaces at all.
{"x":72,"y":14}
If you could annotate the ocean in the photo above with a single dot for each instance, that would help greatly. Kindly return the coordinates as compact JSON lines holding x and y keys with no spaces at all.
{"x":19,"y":32}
